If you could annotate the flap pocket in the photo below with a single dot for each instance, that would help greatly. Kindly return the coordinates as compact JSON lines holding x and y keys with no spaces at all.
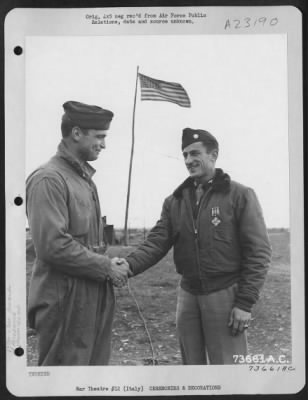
{"x":222,"y":235}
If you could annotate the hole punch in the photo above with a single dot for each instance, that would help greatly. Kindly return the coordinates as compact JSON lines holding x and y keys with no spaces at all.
{"x":18,"y":50}
{"x":18,"y":201}
{"x":19,"y":351}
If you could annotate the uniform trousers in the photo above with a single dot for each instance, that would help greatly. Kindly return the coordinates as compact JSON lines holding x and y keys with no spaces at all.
{"x":202,"y":328}
{"x":77,"y":331}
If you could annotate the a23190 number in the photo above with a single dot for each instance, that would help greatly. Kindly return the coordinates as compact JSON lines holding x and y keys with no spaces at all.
{"x":248,"y":22}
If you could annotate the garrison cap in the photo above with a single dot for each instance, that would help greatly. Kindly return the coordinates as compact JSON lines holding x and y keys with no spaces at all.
{"x":87,"y":116}
{"x":198,"y":135}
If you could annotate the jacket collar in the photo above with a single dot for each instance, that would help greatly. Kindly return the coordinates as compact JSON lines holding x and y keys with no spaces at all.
{"x":221,"y":183}
{"x":85,"y":170}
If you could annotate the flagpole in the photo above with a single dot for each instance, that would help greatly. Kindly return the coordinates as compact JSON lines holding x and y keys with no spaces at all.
{"x":130,"y":165}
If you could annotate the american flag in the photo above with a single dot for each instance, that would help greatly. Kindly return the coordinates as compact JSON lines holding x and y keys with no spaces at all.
{"x":156,"y":90}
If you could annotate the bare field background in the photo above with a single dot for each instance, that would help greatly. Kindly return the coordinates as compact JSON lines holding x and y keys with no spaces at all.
{"x":155,"y":292}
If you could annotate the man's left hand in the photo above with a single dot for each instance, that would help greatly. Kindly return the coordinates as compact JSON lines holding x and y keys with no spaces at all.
{"x":239,"y":320}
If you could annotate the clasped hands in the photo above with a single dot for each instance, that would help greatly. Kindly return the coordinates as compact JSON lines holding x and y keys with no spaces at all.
{"x":120,"y":271}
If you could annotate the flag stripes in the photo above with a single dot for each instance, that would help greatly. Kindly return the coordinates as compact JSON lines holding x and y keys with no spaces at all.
{"x":157,"y":90}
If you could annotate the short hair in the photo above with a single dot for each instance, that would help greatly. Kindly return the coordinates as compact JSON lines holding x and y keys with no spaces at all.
{"x":67,"y":125}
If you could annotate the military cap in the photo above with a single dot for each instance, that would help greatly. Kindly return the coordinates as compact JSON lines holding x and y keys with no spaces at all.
{"x":88,"y":116}
{"x":198,"y":135}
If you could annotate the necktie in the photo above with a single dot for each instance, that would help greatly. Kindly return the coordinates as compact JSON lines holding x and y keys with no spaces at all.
{"x":199,"y":193}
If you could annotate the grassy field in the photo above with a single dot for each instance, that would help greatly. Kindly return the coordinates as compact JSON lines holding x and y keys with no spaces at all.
{"x":155,"y":293}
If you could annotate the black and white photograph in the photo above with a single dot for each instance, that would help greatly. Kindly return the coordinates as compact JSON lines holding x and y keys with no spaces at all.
{"x":157,"y":202}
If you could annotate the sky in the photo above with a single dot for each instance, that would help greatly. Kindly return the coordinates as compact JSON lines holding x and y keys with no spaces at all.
{"x":237,"y":85}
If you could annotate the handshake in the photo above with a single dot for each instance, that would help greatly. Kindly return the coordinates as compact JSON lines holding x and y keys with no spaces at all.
{"x":120,"y":272}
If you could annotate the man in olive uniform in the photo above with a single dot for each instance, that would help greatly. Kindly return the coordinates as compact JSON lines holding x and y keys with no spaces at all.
{"x":71,"y":297}
{"x":221,"y":250}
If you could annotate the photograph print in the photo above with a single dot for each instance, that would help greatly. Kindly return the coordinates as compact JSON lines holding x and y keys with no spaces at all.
{"x":159,"y":220}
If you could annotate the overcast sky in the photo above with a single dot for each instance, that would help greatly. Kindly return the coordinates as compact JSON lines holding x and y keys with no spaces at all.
{"x":238,"y":90}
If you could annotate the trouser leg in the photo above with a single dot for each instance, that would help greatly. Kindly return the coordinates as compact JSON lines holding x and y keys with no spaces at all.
{"x":79,"y":333}
{"x":105,"y":313}
{"x":221,"y":345}
{"x":48,"y":325}
{"x":189,"y":329}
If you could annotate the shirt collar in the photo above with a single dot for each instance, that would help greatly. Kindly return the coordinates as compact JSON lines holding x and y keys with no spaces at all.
{"x":221,"y":183}
{"x":205,"y":182}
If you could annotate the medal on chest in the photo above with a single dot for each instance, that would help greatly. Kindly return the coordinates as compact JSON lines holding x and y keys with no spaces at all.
{"x":215,"y":216}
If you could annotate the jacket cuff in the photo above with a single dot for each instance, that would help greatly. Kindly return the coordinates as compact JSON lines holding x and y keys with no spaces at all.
{"x":132,"y":267}
{"x":244,"y":303}
{"x":105,"y":266}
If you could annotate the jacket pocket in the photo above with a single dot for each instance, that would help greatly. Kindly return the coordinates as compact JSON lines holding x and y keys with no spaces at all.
{"x":224,"y":252}
{"x":222,"y":235}
{"x":80,"y":215}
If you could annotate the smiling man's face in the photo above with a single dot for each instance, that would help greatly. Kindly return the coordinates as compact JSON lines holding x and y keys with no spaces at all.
{"x":91,"y":143}
{"x":199,"y":162}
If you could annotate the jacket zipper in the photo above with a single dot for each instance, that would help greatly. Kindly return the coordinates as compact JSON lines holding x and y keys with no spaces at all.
{"x":195,"y":227}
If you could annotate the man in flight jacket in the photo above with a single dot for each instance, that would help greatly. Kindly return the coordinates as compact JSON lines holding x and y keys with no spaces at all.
{"x":221,"y":250}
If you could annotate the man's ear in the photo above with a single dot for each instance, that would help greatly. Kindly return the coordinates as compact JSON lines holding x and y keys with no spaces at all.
{"x":214,"y":154}
{"x":76,"y":134}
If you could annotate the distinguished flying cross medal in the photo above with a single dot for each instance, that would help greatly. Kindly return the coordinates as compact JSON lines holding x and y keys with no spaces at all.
{"x":215,"y":215}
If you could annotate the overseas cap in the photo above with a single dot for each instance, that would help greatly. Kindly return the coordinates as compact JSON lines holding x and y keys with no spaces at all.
{"x":198,"y":135}
{"x":87,"y":116}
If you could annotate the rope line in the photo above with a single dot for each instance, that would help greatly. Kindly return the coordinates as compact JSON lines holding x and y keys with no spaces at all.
{"x":154,"y":360}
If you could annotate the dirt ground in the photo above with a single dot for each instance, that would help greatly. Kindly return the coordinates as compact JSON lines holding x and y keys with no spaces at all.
{"x":155,"y":294}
